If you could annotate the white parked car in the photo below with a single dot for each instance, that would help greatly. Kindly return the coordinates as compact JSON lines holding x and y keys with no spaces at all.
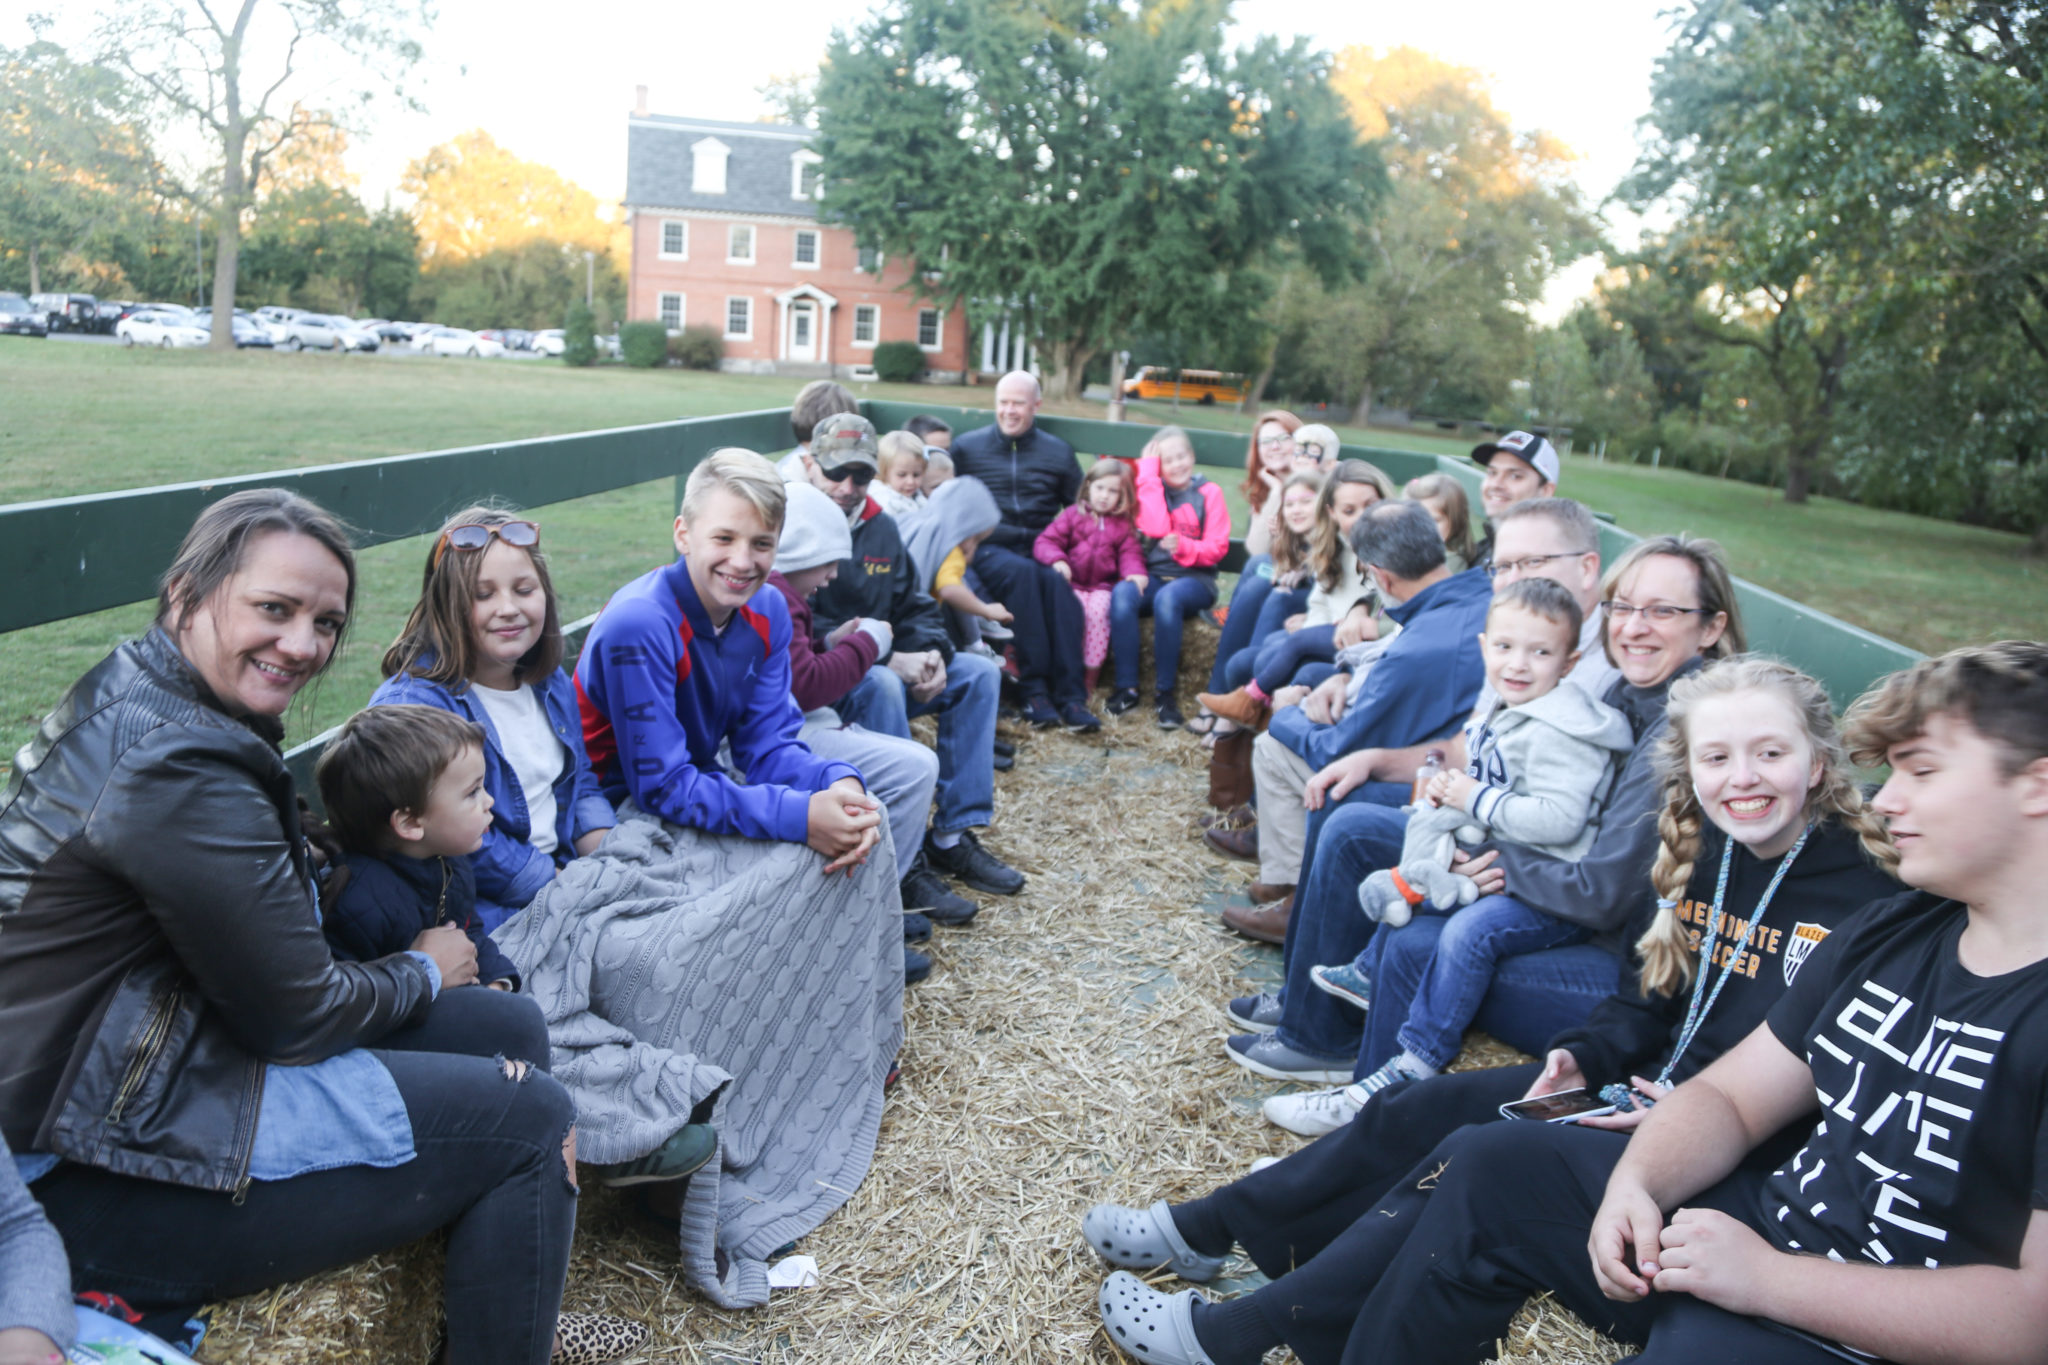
{"x":549,"y":342}
{"x":321,"y":332}
{"x":148,"y":328}
{"x":459,"y":341}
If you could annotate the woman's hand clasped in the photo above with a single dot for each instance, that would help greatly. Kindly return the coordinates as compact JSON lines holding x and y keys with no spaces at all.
{"x":452,"y":952}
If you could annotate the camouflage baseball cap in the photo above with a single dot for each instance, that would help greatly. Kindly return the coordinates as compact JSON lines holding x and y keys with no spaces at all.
{"x":844,"y":439}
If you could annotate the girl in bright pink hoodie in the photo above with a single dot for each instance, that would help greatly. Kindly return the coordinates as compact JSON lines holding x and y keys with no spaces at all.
{"x":1185,"y":528}
{"x":1094,"y":546}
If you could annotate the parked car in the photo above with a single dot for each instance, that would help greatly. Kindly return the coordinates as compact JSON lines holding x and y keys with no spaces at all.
{"x":459,"y":341}
{"x":147,"y":327}
{"x":111,"y":311}
{"x":18,"y":319}
{"x":67,"y":312}
{"x":321,"y":332}
{"x":248,"y":331}
{"x":550,"y":341}
{"x":387,"y":333}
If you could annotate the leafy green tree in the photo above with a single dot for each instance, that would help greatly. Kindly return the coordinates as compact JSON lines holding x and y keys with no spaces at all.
{"x":1107,"y":169}
{"x":1479,"y":219}
{"x":579,"y":336}
{"x":318,"y":247}
{"x":75,"y":168}
{"x":1859,"y":187}
{"x":531,"y":285}
{"x":232,"y":73}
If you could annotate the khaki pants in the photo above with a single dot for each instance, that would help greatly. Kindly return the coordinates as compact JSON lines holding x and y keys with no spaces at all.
{"x":1282,"y":776}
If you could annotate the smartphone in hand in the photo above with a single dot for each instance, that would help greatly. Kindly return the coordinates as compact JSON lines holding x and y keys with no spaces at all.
{"x":1562,"y":1107}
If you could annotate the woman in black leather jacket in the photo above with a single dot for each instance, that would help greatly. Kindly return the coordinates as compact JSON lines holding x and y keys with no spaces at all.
{"x":205,"y":1101}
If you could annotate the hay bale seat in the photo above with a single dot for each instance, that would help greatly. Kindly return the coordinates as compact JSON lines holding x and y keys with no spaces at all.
{"x":1066,"y":1049}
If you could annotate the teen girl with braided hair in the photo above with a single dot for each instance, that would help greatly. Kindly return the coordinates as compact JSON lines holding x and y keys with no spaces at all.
{"x":1766,"y":848}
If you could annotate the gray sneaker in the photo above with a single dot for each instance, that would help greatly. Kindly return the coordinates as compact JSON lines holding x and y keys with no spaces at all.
{"x":1255,"y":1013}
{"x":1263,"y":1054}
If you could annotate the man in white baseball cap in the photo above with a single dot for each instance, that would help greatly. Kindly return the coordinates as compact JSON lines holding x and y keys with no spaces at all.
{"x":1519,"y":466}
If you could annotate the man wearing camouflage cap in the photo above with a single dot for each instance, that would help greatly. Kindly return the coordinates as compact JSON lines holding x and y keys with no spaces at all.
{"x":921,"y":676}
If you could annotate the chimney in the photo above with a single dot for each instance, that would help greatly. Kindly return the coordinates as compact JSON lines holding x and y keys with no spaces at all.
{"x":639,"y":101}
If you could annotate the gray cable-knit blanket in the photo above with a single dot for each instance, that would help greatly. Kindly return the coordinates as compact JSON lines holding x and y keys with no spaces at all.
{"x":677,"y":967}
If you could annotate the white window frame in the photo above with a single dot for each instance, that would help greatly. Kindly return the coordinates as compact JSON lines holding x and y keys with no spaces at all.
{"x":796,"y":241}
{"x":797,"y":162}
{"x":682,"y":309}
{"x":730,"y":334}
{"x":938,"y":341}
{"x":876,"y":271}
{"x":732,"y":236}
{"x":874,"y":318}
{"x":682,"y":225}
{"x":709,"y":161}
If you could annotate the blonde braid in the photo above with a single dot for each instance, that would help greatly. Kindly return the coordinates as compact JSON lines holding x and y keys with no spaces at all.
{"x":1665,"y":947}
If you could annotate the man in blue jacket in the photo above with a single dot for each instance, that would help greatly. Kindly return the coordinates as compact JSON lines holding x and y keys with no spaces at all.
{"x":1034,"y":476}
{"x":1423,"y":686}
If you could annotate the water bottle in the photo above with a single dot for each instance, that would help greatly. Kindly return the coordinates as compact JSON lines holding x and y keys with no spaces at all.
{"x":1432,"y":764}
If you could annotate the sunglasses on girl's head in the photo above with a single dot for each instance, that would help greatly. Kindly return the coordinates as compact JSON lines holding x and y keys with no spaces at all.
{"x":474,"y":536}
{"x":862,"y":475}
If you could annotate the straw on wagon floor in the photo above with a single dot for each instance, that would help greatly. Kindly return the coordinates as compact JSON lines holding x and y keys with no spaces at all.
{"x":1067,"y":1049}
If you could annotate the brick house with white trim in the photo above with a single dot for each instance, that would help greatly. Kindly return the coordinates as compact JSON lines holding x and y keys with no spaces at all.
{"x":725,"y":232}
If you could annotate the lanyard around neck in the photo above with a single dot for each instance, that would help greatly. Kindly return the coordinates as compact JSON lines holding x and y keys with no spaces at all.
{"x":1703,"y":999}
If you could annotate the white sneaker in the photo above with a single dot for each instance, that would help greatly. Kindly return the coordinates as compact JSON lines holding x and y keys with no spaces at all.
{"x":1263,"y":1162}
{"x":1313,"y":1113}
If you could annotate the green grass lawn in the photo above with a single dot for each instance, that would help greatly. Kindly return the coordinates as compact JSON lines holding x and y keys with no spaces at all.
{"x":79,"y":419}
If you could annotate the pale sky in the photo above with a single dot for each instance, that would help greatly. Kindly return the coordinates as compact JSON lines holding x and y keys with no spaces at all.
{"x":553,"y":82}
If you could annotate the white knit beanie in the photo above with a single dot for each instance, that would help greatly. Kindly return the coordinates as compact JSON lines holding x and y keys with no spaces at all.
{"x":814,"y":531}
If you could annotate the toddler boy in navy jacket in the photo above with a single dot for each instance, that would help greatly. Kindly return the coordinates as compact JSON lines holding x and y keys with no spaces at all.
{"x":404,"y":790}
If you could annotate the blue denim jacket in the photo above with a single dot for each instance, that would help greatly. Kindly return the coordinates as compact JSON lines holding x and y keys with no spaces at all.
{"x":510,"y":871}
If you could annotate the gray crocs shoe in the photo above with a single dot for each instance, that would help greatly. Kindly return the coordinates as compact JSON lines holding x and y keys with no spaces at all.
{"x":1147,"y":1325}
{"x":1140,"y":1239}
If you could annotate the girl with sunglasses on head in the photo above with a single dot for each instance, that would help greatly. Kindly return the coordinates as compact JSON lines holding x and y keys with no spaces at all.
{"x":485,"y":641}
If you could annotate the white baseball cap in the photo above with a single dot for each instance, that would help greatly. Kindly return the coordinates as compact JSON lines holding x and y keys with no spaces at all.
{"x":1530,"y":449}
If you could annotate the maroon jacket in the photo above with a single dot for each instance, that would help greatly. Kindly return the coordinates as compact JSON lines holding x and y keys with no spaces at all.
{"x":819,"y":676}
{"x":1101,"y":551}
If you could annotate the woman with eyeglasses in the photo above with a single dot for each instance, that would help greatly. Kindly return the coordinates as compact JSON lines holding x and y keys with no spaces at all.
{"x":1670,"y":609}
{"x":205,"y":1101}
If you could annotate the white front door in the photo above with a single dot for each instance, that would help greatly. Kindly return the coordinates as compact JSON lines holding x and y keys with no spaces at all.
{"x":803,"y":331}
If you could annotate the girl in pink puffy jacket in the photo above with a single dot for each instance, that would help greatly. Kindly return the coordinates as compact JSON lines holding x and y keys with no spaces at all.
{"x":1094,"y":546}
{"x":1184,"y":525}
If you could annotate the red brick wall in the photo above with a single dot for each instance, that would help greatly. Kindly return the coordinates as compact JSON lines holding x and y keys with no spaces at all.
{"x":707,"y":280}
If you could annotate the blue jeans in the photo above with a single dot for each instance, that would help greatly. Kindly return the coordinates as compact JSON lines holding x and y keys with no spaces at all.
{"x":1472,"y":944}
{"x":1356,"y":839}
{"x":1254,"y":586}
{"x":1169,"y":603}
{"x":966,"y":708}
{"x":1531,"y":999}
{"x":1280,"y":603}
{"x":1284,"y":654}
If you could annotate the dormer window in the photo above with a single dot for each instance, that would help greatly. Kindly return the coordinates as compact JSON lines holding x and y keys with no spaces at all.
{"x":803,"y":175}
{"x":707,"y":166}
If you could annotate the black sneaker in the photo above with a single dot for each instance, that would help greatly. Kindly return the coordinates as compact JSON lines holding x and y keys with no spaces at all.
{"x":678,"y":1158}
{"x":916,"y":966}
{"x":916,"y":927}
{"x":1170,"y":717}
{"x":1005,"y":749}
{"x":1122,"y":700}
{"x":922,"y":890}
{"x":968,"y":863}
{"x":1038,"y":711}
{"x":1002,"y":763}
{"x":1078,"y":718}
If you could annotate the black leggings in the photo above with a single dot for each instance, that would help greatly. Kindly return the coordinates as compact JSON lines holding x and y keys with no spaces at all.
{"x":1048,"y":624}
{"x":489,"y":1167}
{"x":1330,"y":1224}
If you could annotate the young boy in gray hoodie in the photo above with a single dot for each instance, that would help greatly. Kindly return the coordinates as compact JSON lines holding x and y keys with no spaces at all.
{"x":1542,"y":755}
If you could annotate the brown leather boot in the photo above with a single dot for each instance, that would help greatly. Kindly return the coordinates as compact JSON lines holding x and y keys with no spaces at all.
{"x":1226,"y":819}
{"x":1265,"y":893}
{"x":1230,"y":771}
{"x":1241,"y":844}
{"x":1266,"y":923}
{"x":1240,"y":707}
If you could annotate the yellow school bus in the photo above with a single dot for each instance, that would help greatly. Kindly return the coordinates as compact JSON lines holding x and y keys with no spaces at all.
{"x":1193,"y":386}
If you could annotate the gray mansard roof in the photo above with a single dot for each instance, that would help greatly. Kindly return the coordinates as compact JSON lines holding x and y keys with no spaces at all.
{"x":659,"y":160}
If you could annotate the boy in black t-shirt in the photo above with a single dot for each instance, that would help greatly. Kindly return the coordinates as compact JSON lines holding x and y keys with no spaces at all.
{"x":1910,"y":1224}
